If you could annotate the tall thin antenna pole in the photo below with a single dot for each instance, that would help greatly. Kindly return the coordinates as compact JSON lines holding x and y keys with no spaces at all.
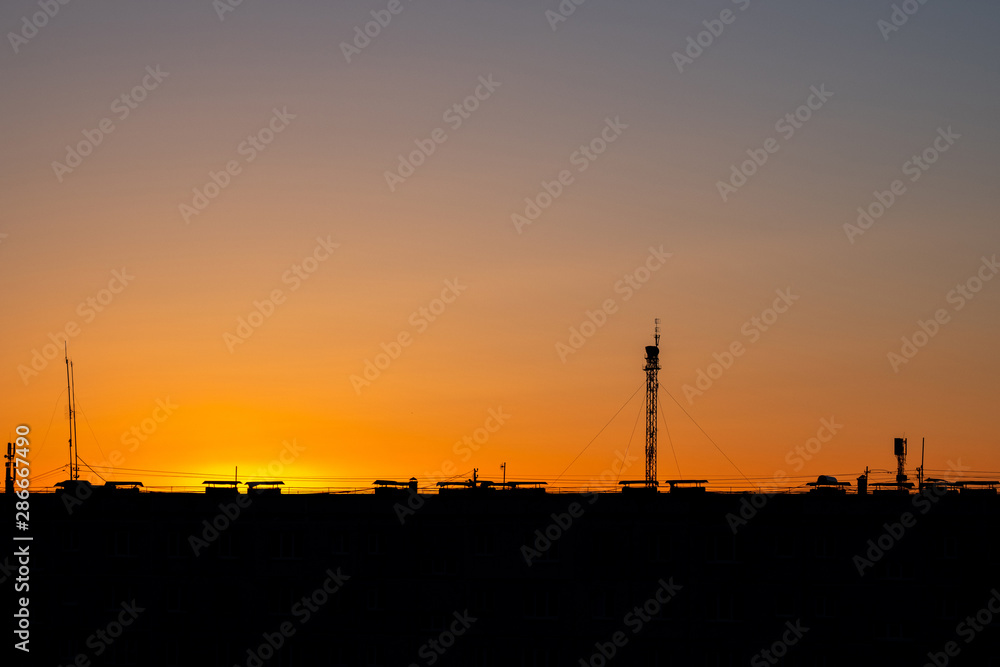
{"x":920,"y":475}
{"x":76,"y":436}
{"x":652,"y":366}
{"x":69,"y":409}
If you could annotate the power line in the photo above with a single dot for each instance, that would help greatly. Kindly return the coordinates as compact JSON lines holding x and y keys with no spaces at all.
{"x":669,"y":439}
{"x":87,"y":419}
{"x":707,"y":436}
{"x":625,"y":457}
{"x":599,"y":432}
{"x":51,"y":417}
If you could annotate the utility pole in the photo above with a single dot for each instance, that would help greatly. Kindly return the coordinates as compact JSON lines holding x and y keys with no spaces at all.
{"x":11,"y":468}
{"x":920,"y":474}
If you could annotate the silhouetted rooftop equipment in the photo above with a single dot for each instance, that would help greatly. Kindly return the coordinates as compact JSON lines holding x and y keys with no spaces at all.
{"x":265,"y":488}
{"x":884,"y":488}
{"x":828,"y":485}
{"x":640,"y":486}
{"x":489,"y":485}
{"x":474,"y":483}
{"x":74,"y":485}
{"x":899,"y":449}
{"x":515,"y":485}
{"x":978,"y":486}
{"x":391,"y":486}
{"x":123,"y":486}
{"x":469,"y":484}
{"x":827,"y":480}
{"x":686,"y":485}
{"x":222,"y":486}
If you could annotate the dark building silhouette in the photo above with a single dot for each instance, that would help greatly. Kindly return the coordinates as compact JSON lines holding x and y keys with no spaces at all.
{"x":510,"y":575}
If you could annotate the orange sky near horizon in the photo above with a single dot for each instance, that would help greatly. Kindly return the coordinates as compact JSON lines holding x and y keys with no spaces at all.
{"x":344,"y":264}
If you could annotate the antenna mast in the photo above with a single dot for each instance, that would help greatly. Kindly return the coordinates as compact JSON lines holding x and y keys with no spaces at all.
{"x":899,"y":449}
{"x":69,"y":409}
{"x":76,"y":437}
{"x":652,"y":366}
{"x":74,"y":445}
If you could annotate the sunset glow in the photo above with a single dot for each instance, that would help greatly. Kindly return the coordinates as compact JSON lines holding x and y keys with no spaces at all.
{"x":445,"y":249}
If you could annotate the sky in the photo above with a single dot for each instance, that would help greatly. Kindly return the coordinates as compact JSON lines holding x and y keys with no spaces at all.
{"x":334,"y":242}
